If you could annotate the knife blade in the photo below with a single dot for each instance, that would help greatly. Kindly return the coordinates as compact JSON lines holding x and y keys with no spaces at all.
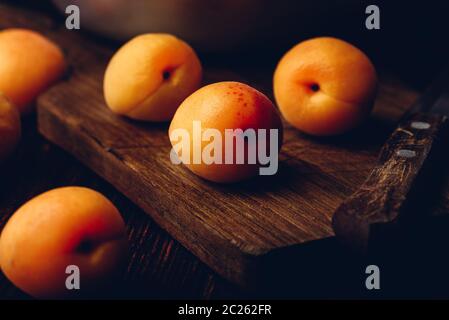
{"x":380,"y":199}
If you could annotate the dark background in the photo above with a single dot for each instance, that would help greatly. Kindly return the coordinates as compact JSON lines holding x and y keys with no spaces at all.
{"x":413,"y":43}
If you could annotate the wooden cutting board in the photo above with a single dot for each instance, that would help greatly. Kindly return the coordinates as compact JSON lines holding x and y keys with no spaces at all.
{"x":232,"y":228}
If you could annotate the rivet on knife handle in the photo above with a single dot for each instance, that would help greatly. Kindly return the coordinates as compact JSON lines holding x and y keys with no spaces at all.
{"x":381,"y":197}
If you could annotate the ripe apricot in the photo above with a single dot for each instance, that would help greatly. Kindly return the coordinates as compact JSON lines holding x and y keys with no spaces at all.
{"x":29,"y":64}
{"x":226,"y":107}
{"x":10,"y":128}
{"x":69,"y":226}
{"x":149,"y":77}
{"x":325,"y":86}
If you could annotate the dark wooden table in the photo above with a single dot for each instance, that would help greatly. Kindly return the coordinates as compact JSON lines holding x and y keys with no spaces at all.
{"x":159,"y":266}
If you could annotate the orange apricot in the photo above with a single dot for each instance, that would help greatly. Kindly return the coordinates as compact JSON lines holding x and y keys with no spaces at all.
{"x":149,"y":77}
{"x":60,"y":229}
{"x":220,"y":115}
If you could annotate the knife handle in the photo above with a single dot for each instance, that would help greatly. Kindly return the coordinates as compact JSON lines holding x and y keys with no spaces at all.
{"x":378,"y":202}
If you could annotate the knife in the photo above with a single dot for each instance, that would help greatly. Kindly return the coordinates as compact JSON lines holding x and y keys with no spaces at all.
{"x":378,"y":203}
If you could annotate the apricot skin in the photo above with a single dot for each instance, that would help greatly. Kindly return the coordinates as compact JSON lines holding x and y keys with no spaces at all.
{"x":62,"y":227}
{"x":149,"y":77}
{"x":325,"y":86}
{"x":10,"y":128}
{"x":226,"y":105}
{"x":29,"y":64}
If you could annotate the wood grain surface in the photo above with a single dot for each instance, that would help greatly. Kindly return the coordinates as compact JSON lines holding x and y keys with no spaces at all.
{"x":250,"y":232}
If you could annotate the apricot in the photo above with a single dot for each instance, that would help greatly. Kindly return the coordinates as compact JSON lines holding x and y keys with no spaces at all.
{"x":71,"y":226}
{"x":225,"y":107}
{"x":325,"y":86}
{"x":10,"y":128}
{"x":149,"y":77}
{"x":29,"y":64}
